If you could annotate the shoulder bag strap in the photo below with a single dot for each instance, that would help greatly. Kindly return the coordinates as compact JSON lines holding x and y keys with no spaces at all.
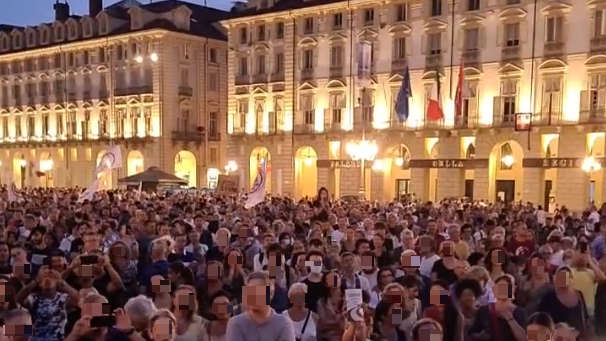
{"x":305,"y":323}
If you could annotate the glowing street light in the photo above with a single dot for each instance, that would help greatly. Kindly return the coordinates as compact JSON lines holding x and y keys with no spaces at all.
{"x":590,"y":164}
{"x":399,"y":161}
{"x":139,"y":59}
{"x":231,"y":166}
{"x":508,"y":160}
{"x":363,"y":150}
{"x":378,"y":165}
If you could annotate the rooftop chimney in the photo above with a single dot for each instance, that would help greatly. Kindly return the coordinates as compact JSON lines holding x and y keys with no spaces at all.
{"x":94,"y":7}
{"x":61,"y":10}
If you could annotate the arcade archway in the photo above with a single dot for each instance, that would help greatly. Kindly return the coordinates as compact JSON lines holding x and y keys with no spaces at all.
{"x":506,"y":172}
{"x":105,"y":177}
{"x":134,"y":163}
{"x":396,"y":172}
{"x":185,"y":167}
{"x":306,"y":172}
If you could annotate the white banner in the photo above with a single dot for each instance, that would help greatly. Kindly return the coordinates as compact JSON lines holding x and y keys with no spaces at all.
{"x":89,"y":193}
{"x":110,"y":160}
{"x":257,"y":193}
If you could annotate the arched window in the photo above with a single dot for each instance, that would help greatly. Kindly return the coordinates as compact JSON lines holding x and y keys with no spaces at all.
{"x":470,"y":153}
{"x":506,"y":157}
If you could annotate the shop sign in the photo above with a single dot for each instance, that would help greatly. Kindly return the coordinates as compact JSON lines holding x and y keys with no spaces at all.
{"x":450,"y":163}
{"x":559,"y":162}
{"x":341,"y":164}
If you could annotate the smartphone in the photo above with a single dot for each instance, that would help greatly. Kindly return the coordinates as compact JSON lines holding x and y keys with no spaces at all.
{"x":102,"y":321}
{"x":88,"y":259}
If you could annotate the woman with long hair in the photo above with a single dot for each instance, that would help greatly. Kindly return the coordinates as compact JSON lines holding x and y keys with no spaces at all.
{"x":216,"y":328}
{"x":460,"y":314}
{"x":385,"y":276}
{"x":185,"y":308}
{"x":535,"y":284}
{"x":503,"y":320}
{"x":162,"y":326}
{"x":496,"y":262}
{"x":331,"y":322}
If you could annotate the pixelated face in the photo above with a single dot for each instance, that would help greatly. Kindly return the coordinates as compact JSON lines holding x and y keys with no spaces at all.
{"x":537,"y":332}
{"x":367,"y":262}
{"x":214,"y":271}
{"x":221,"y":308}
{"x":438,"y":295}
{"x":222,"y":238}
{"x":562,"y":279}
{"x":19,"y":328}
{"x":185,"y":300}
{"x":234,"y":258}
{"x":244,"y":233}
{"x":6,"y":291}
{"x":410,"y":261}
{"x":163,"y":329}
{"x":160,"y":285}
{"x":22,"y":270}
{"x":333,"y":280}
{"x":95,"y":309}
{"x":503,"y":290}
{"x":498,"y":257}
{"x":256,"y":294}
{"x":429,"y":332}
{"x":565,"y":334}
{"x":538,"y":266}
{"x":447,"y":249}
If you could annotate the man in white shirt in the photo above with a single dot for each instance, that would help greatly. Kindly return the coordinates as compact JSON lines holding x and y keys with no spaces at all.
{"x":260,"y":259}
{"x":350,"y":278}
{"x":428,"y":255}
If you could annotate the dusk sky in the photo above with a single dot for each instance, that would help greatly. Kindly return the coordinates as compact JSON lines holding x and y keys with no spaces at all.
{"x":33,"y":12}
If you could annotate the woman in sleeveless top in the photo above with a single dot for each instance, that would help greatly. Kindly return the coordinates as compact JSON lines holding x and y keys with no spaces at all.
{"x":303,"y":319}
{"x":189,"y":324}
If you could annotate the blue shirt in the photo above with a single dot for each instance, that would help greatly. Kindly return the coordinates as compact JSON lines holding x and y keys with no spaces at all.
{"x":157,"y":268}
{"x":597,"y":247}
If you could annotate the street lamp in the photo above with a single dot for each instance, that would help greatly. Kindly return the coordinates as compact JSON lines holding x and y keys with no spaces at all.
{"x":590,"y":164}
{"x":508,"y":160}
{"x":45,"y":167}
{"x":231,"y":166}
{"x":363,"y":150}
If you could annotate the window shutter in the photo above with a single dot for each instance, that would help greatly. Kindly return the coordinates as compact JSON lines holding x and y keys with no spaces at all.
{"x":560,"y":33}
{"x":481,"y":38}
{"x":556,"y":104}
{"x":327,"y":117}
{"x":597,"y":20}
{"x":601,"y":99}
{"x":473,"y":109}
{"x":584,"y":101}
{"x":497,"y":113}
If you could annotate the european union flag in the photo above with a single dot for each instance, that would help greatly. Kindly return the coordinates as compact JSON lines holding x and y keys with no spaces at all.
{"x":403,"y":94}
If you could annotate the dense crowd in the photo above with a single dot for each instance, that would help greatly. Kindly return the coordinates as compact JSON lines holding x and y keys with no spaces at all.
{"x":194,"y":266}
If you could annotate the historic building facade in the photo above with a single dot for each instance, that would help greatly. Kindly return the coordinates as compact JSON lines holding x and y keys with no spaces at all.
{"x":150,"y":78}
{"x":297,"y":99}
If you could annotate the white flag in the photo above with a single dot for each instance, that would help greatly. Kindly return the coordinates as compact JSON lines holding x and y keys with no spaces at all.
{"x":12,"y":192}
{"x":257,"y":193}
{"x":364,"y":63}
{"x":89,"y":193}
{"x":110,"y":160}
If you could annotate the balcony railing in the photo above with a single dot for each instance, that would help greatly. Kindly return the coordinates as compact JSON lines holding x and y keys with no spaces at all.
{"x":307,"y":74}
{"x":433,"y":61}
{"x":471,"y":57}
{"x":398,"y":66}
{"x":553,"y":49}
{"x":134,"y":90}
{"x":260,"y":78}
{"x":509,"y":53}
{"x":239,"y":130}
{"x":242,"y":79}
{"x":598,"y":44}
{"x":185,"y":90}
{"x":187,"y":136}
{"x":331,"y":127}
{"x":336,"y":72}
{"x":277,"y":77}
{"x":466,"y":121}
{"x":546,"y":118}
{"x":500,"y":119}
{"x":597,"y":115}
{"x":361,"y":125}
{"x":214,"y":136}
{"x":304,"y":129}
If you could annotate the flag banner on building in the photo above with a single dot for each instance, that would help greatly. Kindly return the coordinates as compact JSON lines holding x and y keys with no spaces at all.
{"x":434,"y":105}
{"x":257,"y":193}
{"x":364,"y":63}
{"x":459,"y":94}
{"x":89,"y":193}
{"x":12,"y":192}
{"x":402,"y":106}
{"x":110,"y":160}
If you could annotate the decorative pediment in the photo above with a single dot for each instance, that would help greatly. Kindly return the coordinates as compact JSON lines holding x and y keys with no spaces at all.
{"x":471,"y":19}
{"x":71,"y":106}
{"x":337,"y":36}
{"x":596,"y":61}
{"x":595,"y":3}
{"x":553,"y":65}
{"x":261,"y":47}
{"x":512,"y":13}
{"x":44,"y":107}
{"x":335,"y":83}
{"x":368,"y":33}
{"x":87,"y":104}
{"x":400,"y":28}
{"x":556,"y":6}
{"x":510,"y":68}
{"x":472,"y":72}
{"x":307,"y":86}
{"x":258,"y":90}
{"x":395,"y":78}
{"x":308,"y":41}
{"x":102,"y":103}
{"x":135,"y":100}
{"x":431,"y":75}
{"x":86,"y":70}
{"x":435,"y":25}
{"x":58,"y":107}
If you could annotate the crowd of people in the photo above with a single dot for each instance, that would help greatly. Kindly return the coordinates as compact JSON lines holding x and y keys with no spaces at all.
{"x":198,"y":266}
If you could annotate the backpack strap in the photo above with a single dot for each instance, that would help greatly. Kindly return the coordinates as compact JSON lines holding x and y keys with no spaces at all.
{"x":305,"y":323}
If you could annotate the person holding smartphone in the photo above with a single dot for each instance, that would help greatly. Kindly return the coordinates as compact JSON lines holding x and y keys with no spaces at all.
{"x":586,"y":274}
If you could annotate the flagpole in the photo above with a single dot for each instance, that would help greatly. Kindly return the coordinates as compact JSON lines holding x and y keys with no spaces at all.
{"x":532,"y":102}
{"x":452,"y":25}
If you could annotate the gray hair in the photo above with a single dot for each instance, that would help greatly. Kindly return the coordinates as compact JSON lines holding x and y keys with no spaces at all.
{"x":140,"y":306}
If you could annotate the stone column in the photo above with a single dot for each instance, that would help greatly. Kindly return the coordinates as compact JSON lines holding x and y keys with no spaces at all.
{"x":419,"y":184}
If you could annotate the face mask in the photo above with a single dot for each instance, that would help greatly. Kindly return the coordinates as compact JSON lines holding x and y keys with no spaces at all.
{"x":316,"y":269}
